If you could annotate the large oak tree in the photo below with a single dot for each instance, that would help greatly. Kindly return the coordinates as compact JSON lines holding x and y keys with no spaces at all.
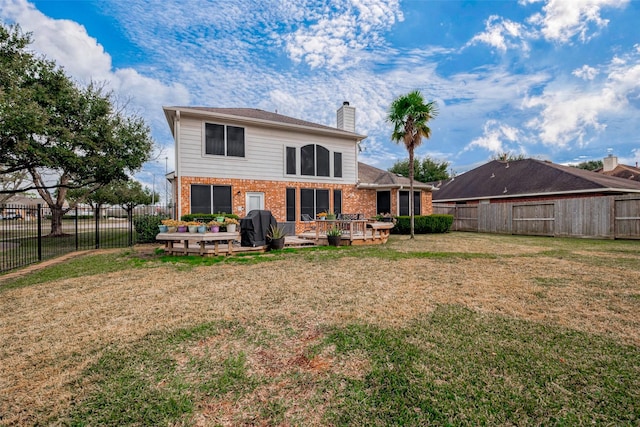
{"x":64,"y":135}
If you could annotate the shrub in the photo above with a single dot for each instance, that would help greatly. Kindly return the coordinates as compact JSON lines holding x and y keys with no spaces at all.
{"x":147,"y":227}
{"x":423,"y":224}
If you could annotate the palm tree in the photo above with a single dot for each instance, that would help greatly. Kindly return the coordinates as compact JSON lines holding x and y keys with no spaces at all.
{"x":409,"y":116}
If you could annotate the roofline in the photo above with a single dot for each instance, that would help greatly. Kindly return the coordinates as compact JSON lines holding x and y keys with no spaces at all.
{"x":369,"y":186}
{"x":510,"y":196}
{"x":268,"y":123}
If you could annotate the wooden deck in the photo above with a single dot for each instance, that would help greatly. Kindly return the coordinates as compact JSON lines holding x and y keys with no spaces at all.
{"x":215,"y":244}
{"x":354,"y":232}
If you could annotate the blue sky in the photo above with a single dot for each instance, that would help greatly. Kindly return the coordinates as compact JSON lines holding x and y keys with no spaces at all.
{"x":550,"y":79}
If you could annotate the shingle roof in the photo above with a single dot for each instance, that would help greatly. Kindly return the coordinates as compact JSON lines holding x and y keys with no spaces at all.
{"x":370,"y":175}
{"x":499,"y":179}
{"x":257,"y":114}
{"x":623,"y":171}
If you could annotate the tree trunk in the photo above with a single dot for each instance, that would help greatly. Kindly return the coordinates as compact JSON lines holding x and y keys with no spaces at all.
{"x":411,"y":213}
{"x":56,"y":205}
{"x":56,"y":221}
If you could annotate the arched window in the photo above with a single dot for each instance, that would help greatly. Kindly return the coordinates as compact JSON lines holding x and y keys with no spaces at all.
{"x":314,"y":161}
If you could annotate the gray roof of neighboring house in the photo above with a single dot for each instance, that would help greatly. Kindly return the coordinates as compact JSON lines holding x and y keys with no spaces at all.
{"x":527,"y":178}
{"x":257,"y":115}
{"x":624,"y":172}
{"x":372,"y":177}
{"x":21,"y":199}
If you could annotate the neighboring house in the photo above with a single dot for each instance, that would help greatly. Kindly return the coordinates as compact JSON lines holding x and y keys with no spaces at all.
{"x":20,"y":206}
{"x":534,"y":197}
{"x":235,"y":160}
{"x":611,"y":167}
{"x":528,"y":180}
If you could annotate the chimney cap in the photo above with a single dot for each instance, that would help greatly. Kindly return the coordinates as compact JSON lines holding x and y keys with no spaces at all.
{"x":345,"y":103}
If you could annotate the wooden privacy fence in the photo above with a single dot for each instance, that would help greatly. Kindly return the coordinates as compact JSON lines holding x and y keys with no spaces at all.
{"x":603,"y":217}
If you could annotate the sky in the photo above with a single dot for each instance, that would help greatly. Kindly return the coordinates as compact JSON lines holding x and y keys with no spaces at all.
{"x":556,"y":80}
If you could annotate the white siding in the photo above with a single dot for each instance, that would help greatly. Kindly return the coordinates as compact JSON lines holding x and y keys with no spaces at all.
{"x":264,"y":154}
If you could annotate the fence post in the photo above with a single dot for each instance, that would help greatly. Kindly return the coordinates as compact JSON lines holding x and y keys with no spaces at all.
{"x":76,"y":224}
{"x":97,"y":218}
{"x":130,"y":218}
{"x":39,"y":217}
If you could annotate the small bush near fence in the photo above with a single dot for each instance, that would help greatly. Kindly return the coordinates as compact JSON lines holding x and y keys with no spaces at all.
{"x":423,"y":224}
{"x":147,"y":227}
{"x":206,"y":217}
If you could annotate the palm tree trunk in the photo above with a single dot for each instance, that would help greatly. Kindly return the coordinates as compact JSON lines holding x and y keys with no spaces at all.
{"x":411,"y":213}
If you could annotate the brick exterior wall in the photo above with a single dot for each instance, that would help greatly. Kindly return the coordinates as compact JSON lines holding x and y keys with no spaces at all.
{"x":353,"y":200}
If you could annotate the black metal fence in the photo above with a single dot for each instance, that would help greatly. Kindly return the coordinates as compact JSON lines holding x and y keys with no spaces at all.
{"x":25,"y":231}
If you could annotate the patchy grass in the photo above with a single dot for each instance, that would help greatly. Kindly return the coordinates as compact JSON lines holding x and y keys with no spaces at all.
{"x":84,"y":265}
{"x":452,"y":367}
{"x":457,"y":367}
{"x":459,"y":329}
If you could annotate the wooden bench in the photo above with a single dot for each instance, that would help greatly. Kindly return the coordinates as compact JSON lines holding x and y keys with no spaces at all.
{"x":201,"y":238}
{"x":380,"y":230}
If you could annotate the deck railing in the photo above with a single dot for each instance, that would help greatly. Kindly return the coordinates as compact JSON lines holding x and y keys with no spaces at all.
{"x":351,"y":229}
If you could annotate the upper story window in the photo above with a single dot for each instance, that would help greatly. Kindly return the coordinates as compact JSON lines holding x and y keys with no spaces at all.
{"x":337,"y":165}
{"x":291,"y":161}
{"x":314,"y":161}
{"x":222,"y":140}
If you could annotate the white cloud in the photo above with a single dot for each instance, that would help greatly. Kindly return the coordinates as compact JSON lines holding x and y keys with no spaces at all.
{"x":340,"y":37}
{"x":62,"y":40}
{"x":502,"y":34}
{"x":567,"y":116}
{"x":497,"y":137}
{"x":624,"y":78}
{"x":562,"y":20}
{"x":585,"y":72}
{"x":83,"y":58}
{"x":569,"y":113}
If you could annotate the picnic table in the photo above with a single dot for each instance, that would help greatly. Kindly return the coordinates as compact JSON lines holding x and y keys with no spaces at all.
{"x":201,"y":238}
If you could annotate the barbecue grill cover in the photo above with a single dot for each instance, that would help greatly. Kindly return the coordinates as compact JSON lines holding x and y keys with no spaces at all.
{"x":255,"y":226}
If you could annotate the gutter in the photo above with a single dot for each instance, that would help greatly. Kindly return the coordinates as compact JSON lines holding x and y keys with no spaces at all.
{"x":368,"y":186}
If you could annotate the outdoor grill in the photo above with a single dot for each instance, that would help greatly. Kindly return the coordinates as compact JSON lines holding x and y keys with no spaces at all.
{"x":255,"y":226}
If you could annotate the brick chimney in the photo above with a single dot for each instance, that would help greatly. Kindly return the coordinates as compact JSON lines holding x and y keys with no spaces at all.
{"x":346,"y":117}
{"x":609,"y":163}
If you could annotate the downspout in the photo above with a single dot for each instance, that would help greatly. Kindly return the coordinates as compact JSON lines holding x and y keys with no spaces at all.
{"x":178,"y":175}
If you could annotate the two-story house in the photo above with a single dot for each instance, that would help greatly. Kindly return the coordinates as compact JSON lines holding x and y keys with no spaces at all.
{"x":235,"y":160}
